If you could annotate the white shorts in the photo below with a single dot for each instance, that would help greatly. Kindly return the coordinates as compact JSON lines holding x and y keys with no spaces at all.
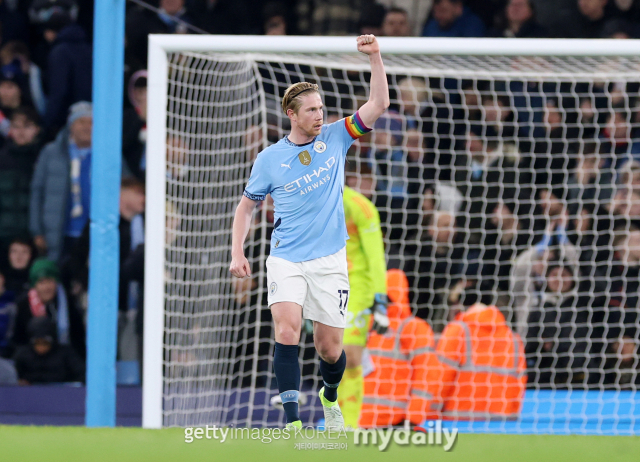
{"x":320,"y":286}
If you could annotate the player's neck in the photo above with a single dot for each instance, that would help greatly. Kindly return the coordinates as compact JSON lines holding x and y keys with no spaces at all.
{"x":297,"y":136}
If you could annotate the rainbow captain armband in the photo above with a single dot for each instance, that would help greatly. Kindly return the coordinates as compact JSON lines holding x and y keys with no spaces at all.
{"x":355,"y":126}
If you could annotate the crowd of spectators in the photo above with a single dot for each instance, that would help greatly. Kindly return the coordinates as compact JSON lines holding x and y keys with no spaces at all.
{"x":539,"y":249}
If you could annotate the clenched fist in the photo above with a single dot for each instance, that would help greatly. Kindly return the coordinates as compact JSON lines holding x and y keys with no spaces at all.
{"x":240,"y":266}
{"x":368,"y":44}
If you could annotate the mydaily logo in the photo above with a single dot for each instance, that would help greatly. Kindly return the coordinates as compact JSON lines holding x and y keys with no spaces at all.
{"x":434,"y":435}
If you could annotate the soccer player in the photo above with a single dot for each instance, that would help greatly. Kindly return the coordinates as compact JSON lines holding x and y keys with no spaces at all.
{"x":368,"y":280}
{"x":307,"y":267}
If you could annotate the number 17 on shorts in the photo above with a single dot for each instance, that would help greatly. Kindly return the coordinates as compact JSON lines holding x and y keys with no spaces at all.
{"x":343,"y":294}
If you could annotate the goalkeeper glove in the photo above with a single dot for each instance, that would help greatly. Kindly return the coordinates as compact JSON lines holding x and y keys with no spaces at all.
{"x":380,"y":318}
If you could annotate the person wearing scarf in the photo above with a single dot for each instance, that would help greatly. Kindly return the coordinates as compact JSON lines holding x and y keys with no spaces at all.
{"x":48,"y":298}
{"x":60,"y":189}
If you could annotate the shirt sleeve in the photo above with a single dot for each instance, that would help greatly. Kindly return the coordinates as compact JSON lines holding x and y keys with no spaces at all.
{"x":259,"y":184}
{"x":347,"y":130}
{"x":368,"y":222}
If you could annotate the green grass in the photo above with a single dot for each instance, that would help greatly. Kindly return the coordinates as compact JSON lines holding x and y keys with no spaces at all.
{"x":71,"y":444}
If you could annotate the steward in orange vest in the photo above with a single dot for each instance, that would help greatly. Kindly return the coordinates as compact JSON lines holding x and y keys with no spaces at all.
{"x":483,"y":368}
{"x":396,"y":389}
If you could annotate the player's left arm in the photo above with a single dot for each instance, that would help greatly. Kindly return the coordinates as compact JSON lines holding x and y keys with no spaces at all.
{"x":379,"y":88}
{"x":372,"y":244}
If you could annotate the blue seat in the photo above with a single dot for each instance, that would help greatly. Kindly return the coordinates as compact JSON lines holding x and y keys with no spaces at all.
{"x":128,"y":373}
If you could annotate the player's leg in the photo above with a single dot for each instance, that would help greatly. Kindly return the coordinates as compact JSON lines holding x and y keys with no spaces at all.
{"x":355,"y":339}
{"x":287,"y":291}
{"x":328,"y":343}
{"x":326,"y":305}
{"x":287,"y":318}
{"x":333,"y":360}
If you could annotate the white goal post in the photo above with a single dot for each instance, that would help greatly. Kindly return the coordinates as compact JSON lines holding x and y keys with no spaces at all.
{"x":486,"y":54}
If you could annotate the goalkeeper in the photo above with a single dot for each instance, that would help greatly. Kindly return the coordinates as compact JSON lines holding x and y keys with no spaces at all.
{"x":367,"y":278}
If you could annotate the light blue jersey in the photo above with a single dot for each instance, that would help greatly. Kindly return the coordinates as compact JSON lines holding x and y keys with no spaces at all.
{"x":306,"y":183}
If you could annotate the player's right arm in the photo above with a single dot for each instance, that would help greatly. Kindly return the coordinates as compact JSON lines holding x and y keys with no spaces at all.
{"x":258,"y":186}
{"x":241,"y":224}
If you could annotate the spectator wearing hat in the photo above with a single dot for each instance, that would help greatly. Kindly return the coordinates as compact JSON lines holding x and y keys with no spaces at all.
{"x":67,"y":60}
{"x":17,"y":161}
{"x":48,"y":299}
{"x":44,"y":359}
{"x":60,"y":190}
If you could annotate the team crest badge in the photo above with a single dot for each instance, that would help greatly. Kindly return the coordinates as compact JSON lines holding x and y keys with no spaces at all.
{"x":320,"y":146}
{"x":305,"y":157}
{"x":273,"y":288}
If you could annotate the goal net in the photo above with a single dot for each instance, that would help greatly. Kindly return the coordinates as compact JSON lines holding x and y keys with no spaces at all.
{"x":510,"y":180}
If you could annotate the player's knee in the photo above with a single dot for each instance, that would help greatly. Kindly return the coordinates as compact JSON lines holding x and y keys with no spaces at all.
{"x":288,"y":335}
{"x":330,"y":354}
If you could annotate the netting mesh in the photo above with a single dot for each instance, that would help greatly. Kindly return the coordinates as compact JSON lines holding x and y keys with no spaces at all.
{"x":511,"y":181}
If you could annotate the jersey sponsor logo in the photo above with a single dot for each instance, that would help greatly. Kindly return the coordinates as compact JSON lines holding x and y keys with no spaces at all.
{"x":320,"y":146}
{"x":286,"y":165}
{"x":273,"y":288}
{"x":305,"y":157}
{"x":310,"y":181}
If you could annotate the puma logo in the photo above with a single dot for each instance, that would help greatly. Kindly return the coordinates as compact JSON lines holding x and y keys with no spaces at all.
{"x":286,"y":165}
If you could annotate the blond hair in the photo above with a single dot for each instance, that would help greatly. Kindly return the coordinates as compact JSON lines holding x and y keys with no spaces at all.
{"x":292,"y":97}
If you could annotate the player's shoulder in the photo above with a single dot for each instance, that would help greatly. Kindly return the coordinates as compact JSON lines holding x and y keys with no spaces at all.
{"x":328,"y":128}
{"x":272,"y":151}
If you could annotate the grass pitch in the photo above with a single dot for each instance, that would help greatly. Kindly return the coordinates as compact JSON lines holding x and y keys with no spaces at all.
{"x":78,"y":444}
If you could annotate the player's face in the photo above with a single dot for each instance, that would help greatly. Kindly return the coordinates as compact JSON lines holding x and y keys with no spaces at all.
{"x":310,"y":115}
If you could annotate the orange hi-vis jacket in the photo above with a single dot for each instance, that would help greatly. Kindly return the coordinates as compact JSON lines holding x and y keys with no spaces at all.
{"x":397,"y":389}
{"x":482,"y":372}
